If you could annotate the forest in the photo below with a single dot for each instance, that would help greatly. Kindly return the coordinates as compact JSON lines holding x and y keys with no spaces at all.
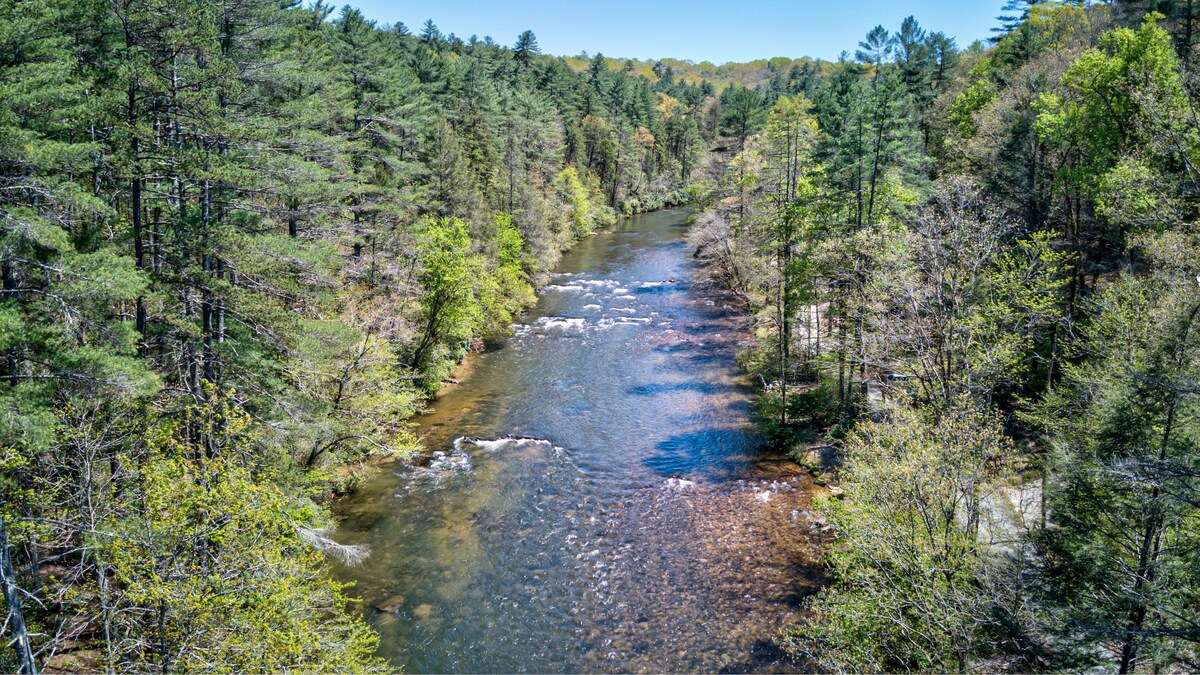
{"x":244,"y":242}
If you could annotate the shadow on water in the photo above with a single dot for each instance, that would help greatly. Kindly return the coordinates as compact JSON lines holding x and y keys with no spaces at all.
{"x":610,"y":515}
{"x":712,"y":454}
{"x":701,"y":387}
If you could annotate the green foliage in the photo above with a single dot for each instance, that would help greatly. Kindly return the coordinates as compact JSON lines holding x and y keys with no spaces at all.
{"x":526,"y":47}
{"x":912,"y":580}
{"x":961,"y":115}
{"x":1009,"y":235}
{"x":743,"y":111}
{"x":318,"y":217}
{"x":214,"y":568}
{"x":576,"y":195}
{"x":1124,"y":437}
{"x":463,"y":295}
{"x":450,"y":277}
{"x":809,"y":410}
{"x":355,"y":403}
{"x":963,"y":306}
{"x":506,"y":289}
{"x":1125,"y":93}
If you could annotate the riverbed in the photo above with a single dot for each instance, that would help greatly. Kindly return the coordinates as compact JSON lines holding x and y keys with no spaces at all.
{"x":596,"y":497}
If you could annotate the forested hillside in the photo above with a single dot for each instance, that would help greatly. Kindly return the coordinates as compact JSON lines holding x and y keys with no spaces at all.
{"x":242,"y":240}
{"x":778,"y":73}
{"x":974,"y":273}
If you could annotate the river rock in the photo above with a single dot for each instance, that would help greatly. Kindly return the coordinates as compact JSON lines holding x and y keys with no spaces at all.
{"x":391,"y":605}
{"x":423,"y":611}
{"x":821,"y":457}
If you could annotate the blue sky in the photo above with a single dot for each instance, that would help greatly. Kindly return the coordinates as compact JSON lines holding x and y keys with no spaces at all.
{"x":700,"y":30}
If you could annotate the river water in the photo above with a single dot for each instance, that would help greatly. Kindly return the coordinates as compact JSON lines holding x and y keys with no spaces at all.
{"x":596,"y":498}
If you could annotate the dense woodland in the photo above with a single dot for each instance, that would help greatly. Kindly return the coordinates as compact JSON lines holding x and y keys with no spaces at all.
{"x":244,"y":240}
{"x":974,"y":272}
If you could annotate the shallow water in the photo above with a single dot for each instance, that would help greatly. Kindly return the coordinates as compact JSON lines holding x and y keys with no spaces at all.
{"x":617,"y":514}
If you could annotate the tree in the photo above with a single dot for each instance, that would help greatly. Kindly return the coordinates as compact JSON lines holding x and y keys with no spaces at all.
{"x":14,"y":615}
{"x":962,"y":305}
{"x":431,"y":36}
{"x":788,"y":186}
{"x":1116,"y":127}
{"x":913,"y":572}
{"x":526,"y":48}
{"x":312,"y":215}
{"x":1017,"y":13}
{"x":913,"y":55}
{"x":684,"y":143}
{"x":220,"y":567}
{"x":743,"y":111}
{"x":879,"y":45}
{"x":1125,"y":497}
{"x":449,"y":277}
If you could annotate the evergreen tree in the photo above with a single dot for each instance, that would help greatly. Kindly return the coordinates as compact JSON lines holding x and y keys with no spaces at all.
{"x":526,"y":48}
{"x":1125,"y":493}
{"x":226,"y":235}
{"x":742,"y":113}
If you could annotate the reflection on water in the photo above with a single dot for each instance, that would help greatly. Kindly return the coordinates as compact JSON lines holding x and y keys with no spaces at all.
{"x":594,"y":500}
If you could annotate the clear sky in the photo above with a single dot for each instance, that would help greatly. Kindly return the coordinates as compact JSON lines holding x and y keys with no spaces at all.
{"x":700,"y":30}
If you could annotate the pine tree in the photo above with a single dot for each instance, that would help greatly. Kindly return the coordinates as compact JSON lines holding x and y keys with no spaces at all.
{"x":526,"y":48}
{"x":1017,"y":13}
{"x":1123,"y":499}
{"x":743,"y":111}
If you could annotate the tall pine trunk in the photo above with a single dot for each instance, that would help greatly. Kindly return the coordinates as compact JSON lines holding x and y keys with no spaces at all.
{"x":12,"y":600}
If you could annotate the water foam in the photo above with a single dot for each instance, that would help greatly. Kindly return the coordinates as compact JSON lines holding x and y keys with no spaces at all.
{"x":547,"y":323}
{"x":441,"y":466}
{"x":492,"y":445}
{"x":622,"y":321}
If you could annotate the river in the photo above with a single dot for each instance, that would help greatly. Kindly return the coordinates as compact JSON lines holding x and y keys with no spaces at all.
{"x":597,"y":498}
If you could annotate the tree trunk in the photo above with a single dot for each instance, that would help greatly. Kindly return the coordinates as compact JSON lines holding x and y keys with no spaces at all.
{"x":12,"y":600}
{"x":8,"y":365}
{"x":207,"y":357}
{"x":135,"y":207}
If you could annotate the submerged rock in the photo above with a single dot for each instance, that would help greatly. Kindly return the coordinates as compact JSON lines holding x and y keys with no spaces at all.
{"x":391,"y":605}
{"x":423,"y":611}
